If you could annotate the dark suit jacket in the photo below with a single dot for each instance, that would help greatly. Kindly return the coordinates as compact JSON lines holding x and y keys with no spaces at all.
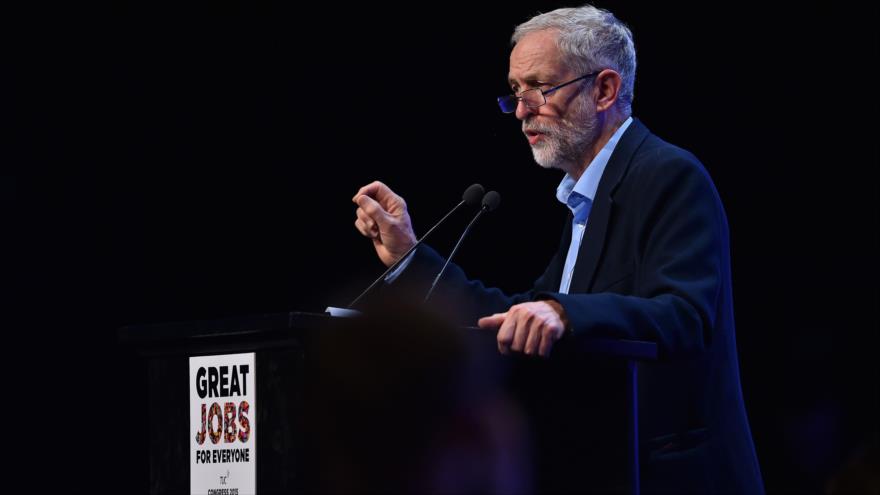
{"x":654,"y":265}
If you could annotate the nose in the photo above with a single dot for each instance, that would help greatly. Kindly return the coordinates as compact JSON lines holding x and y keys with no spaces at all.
{"x":523,"y":111}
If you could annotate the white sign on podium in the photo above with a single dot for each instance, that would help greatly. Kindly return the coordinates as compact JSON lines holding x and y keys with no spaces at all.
{"x":223,"y":424}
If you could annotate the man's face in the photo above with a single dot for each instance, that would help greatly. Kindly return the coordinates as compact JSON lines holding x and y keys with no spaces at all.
{"x":562,"y":130}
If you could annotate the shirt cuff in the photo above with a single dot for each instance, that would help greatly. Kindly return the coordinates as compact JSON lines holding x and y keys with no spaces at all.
{"x":391,"y":277}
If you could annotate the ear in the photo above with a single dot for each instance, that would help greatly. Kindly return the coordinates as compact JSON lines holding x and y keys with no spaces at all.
{"x":606,"y":89}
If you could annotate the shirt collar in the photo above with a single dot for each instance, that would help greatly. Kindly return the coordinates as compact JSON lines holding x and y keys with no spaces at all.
{"x":574,"y":193}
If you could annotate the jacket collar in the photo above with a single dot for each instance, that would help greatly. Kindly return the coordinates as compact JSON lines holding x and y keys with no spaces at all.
{"x":594,"y":237}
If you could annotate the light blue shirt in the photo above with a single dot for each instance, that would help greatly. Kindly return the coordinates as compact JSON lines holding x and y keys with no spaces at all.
{"x":578,"y":196}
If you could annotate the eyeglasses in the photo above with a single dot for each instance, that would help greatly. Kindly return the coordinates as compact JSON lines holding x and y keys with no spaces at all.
{"x":533,"y":98}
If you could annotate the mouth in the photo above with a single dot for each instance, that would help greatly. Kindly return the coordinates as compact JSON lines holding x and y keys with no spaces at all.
{"x":533,"y":136}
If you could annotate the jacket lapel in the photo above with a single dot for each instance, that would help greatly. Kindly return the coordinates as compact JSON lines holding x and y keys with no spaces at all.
{"x":593,"y":243}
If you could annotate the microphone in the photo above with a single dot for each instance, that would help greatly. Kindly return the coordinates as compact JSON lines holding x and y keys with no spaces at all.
{"x":491,"y":201}
{"x":471,"y":197}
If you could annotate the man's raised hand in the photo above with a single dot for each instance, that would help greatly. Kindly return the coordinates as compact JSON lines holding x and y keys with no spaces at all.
{"x":382,"y":216}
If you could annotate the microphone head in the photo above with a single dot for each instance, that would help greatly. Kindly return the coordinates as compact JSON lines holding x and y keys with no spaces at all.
{"x":491,"y":200}
{"x":473,"y":195}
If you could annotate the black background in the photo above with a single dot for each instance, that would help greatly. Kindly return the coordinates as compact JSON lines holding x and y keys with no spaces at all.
{"x":170,"y":164}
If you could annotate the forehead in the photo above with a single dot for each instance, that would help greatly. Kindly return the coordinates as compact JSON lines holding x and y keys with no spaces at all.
{"x":536,"y":55}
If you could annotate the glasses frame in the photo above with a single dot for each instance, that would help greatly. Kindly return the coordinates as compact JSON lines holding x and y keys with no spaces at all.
{"x":514,"y":99}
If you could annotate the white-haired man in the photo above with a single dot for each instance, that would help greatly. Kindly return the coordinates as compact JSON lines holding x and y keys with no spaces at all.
{"x":645,"y":257}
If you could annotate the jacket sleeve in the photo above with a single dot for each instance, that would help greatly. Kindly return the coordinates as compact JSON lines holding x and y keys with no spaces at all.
{"x":460,"y":299}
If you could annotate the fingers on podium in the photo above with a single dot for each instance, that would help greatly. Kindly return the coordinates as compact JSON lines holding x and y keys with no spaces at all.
{"x":506,"y":334}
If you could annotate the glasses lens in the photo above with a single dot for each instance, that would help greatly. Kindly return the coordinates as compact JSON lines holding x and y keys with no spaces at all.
{"x":533,"y":98}
{"x":507,"y":103}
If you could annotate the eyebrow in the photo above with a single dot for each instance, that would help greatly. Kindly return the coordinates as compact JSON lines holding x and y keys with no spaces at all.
{"x":530,"y":80}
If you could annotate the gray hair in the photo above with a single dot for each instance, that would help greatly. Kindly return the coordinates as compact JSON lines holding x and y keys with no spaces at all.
{"x":590,"y":39}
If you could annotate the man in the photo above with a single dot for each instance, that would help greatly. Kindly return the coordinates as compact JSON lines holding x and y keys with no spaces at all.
{"x":646,"y":255}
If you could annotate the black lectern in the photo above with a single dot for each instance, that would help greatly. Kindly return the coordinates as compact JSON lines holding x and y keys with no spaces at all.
{"x":283,"y":344}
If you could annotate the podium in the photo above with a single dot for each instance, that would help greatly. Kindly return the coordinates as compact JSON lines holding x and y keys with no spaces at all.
{"x":284,"y":346}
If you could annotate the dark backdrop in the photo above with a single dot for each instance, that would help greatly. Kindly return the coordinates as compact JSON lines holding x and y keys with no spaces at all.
{"x":168,"y":164}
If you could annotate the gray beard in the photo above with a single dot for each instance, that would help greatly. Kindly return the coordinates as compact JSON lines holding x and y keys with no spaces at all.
{"x":564,"y":145}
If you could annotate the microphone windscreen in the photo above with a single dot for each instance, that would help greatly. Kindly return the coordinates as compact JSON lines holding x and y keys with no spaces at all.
{"x":491,"y":200}
{"x":473,"y":195}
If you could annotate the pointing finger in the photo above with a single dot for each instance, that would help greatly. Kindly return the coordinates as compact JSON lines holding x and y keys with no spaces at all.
{"x":493,"y":321}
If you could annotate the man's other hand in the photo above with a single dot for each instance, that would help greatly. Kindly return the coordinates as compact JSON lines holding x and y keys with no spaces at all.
{"x":530,"y":328}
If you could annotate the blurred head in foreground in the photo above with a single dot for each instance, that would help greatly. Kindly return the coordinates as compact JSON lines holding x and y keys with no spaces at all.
{"x":402,"y":401}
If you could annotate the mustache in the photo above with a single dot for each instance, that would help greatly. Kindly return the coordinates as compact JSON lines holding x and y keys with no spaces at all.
{"x":536,"y":127}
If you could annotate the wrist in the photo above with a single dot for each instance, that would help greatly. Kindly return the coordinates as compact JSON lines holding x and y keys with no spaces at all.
{"x":560,"y":311}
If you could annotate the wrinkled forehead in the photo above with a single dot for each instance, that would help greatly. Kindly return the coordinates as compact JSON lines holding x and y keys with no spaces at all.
{"x":536,"y":56}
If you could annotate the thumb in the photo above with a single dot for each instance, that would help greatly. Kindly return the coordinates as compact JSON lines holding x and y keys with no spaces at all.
{"x":388,"y":199}
{"x":493,"y":321}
